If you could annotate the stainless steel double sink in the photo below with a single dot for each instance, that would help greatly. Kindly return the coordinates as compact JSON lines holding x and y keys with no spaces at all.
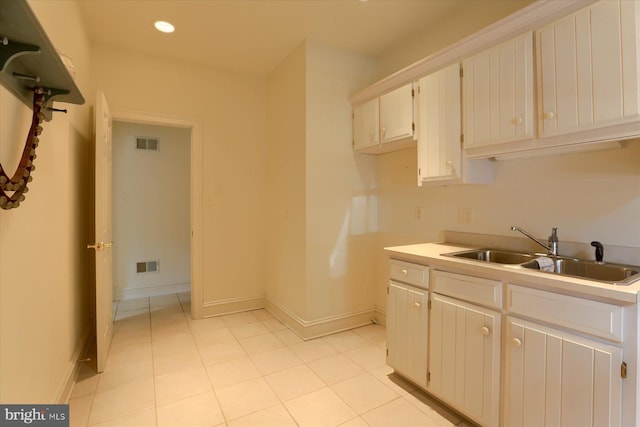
{"x":614,"y":274}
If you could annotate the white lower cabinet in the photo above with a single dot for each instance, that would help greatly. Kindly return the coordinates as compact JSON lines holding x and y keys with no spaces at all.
{"x":464,"y":350}
{"x":407,"y":329}
{"x":554,"y":378}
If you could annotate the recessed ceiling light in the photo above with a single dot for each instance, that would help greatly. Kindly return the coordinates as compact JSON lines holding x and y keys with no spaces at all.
{"x":164,"y":26}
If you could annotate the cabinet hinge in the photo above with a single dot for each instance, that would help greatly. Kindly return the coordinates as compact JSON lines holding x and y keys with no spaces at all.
{"x":413,"y":93}
{"x":387,"y":352}
{"x":461,"y":138}
{"x":387,"y":290}
{"x":428,"y":377}
{"x":429,"y":304}
{"x":623,"y":370}
{"x":461,"y":72}
{"x":413,"y":127}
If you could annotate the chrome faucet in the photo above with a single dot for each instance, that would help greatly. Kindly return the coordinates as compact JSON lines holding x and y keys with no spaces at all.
{"x":552,"y":243}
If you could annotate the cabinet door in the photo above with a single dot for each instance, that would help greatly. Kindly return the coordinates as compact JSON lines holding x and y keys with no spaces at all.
{"x":396,"y":114}
{"x":407,"y":329}
{"x":439,"y":122}
{"x":365,"y":125}
{"x":557,"y":379}
{"x":498,"y":94}
{"x":464,"y":351}
{"x":588,"y":74}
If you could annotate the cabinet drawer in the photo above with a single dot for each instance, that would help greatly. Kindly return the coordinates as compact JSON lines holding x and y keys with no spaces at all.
{"x":591,"y":317}
{"x":414,"y":274}
{"x":468,"y":288}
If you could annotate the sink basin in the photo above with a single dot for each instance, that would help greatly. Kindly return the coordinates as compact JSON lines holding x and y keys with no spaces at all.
{"x":615,"y":274}
{"x":602,"y":272}
{"x":496,"y":256}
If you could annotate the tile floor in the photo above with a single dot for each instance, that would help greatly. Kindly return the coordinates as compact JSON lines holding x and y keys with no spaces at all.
{"x":245,"y":369}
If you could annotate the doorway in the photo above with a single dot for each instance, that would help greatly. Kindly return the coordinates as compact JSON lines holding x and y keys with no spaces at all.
{"x":153,"y":280}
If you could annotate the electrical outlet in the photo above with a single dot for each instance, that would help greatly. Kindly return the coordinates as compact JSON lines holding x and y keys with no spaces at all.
{"x":418,"y":213}
{"x":465,"y":215}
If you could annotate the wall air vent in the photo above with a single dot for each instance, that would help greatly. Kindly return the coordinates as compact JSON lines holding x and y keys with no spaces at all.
{"x":147,"y":267}
{"x":145,"y":143}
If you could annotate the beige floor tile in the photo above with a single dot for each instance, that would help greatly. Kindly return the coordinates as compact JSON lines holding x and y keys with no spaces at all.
{"x":294,"y":382}
{"x":357,"y":422}
{"x":434,"y":409}
{"x":161,"y":300}
{"x":345,"y":341}
{"x":218,"y":353}
{"x":395,"y":382}
{"x":205,"y":325}
{"x":238,"y":319}
{"x":275,"y":416}
{"x":321,"y":408}
{"x":261,"y":343}
{"x":213,"y":336}
{"x":123,"y":400}
{"x":171,"y":344}
{"x":201,"y":410}
{"x":288,"y":337}
{"x":118,"y":375}
{"x":262,"y":314}
{"x":79,"y":409}
{"x":373,"y":333}
{"x":136,"y":314}
{"x":246,"y":398}
{"x":313,"y":350}
{"x":123,"y":355}
{"x":126,"y":337}
{"x":364,"y":393}
{"x":274,"y":325}
{"x":369,"y":357}
{"x":272,"y":361}
{"x":398,"y":413}
{"x":336,"y":368}
{"x":179,"y":361}
{"x":146,"y":418}
{"x":249,"y":330}
{"x":133,"y":304}
{"x":232,"y":372}
{"x":167,"y":312}
{"x":86,"y":384}
{"x":181,"y":384}
{"x":139,"y":323}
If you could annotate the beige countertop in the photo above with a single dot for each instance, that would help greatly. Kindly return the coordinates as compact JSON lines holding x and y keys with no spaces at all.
{"x":431,"y":254}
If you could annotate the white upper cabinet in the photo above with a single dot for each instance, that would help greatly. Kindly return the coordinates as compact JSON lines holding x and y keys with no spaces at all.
{"x":440,"y":157}
{"x":498,"y":97}
{"x":366,"y":125}
{"x":385,"y":123}
{"x":588,"y":71}
{"x":396,"y":114}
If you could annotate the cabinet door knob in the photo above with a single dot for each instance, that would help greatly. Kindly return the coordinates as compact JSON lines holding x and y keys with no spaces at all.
{"x":517,"y":342}
{"x":404,"y":271}
{"x":484,"y":330}
{"x":548,"y":115}
{"x":449,"y":163}
{"x":517,"y":120}
{"x":416,"y":304}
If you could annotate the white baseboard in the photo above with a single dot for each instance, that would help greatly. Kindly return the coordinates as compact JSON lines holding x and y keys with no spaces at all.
{"x":236,"y":305}
{"x":329,"y":325}
{"x":150,"y":291}
{"x":69,"y":380}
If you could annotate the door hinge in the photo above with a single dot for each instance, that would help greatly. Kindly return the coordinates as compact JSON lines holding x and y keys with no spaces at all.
{"x":623,"y":370}
{"x":413,"y":127}
{"x":387,"y":352}
{"x":387,"y":290}
{"x":461,"y":138}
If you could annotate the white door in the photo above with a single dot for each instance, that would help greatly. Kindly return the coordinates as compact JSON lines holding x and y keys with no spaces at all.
{"x":103,"y":242}
{"x":558,"y":379}
{"x":464,"y":353}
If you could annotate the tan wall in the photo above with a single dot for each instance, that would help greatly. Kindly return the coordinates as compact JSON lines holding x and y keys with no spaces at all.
{"x":45,"y":276}
{"x":286,"y":185}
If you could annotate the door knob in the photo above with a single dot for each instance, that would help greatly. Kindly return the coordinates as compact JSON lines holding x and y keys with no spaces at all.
{"x":517,"y":342}
{"x":484,"y":330}
{"x":548,"y":115}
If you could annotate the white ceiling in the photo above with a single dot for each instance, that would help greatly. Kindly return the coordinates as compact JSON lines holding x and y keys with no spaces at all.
{"x":254,"y":36}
